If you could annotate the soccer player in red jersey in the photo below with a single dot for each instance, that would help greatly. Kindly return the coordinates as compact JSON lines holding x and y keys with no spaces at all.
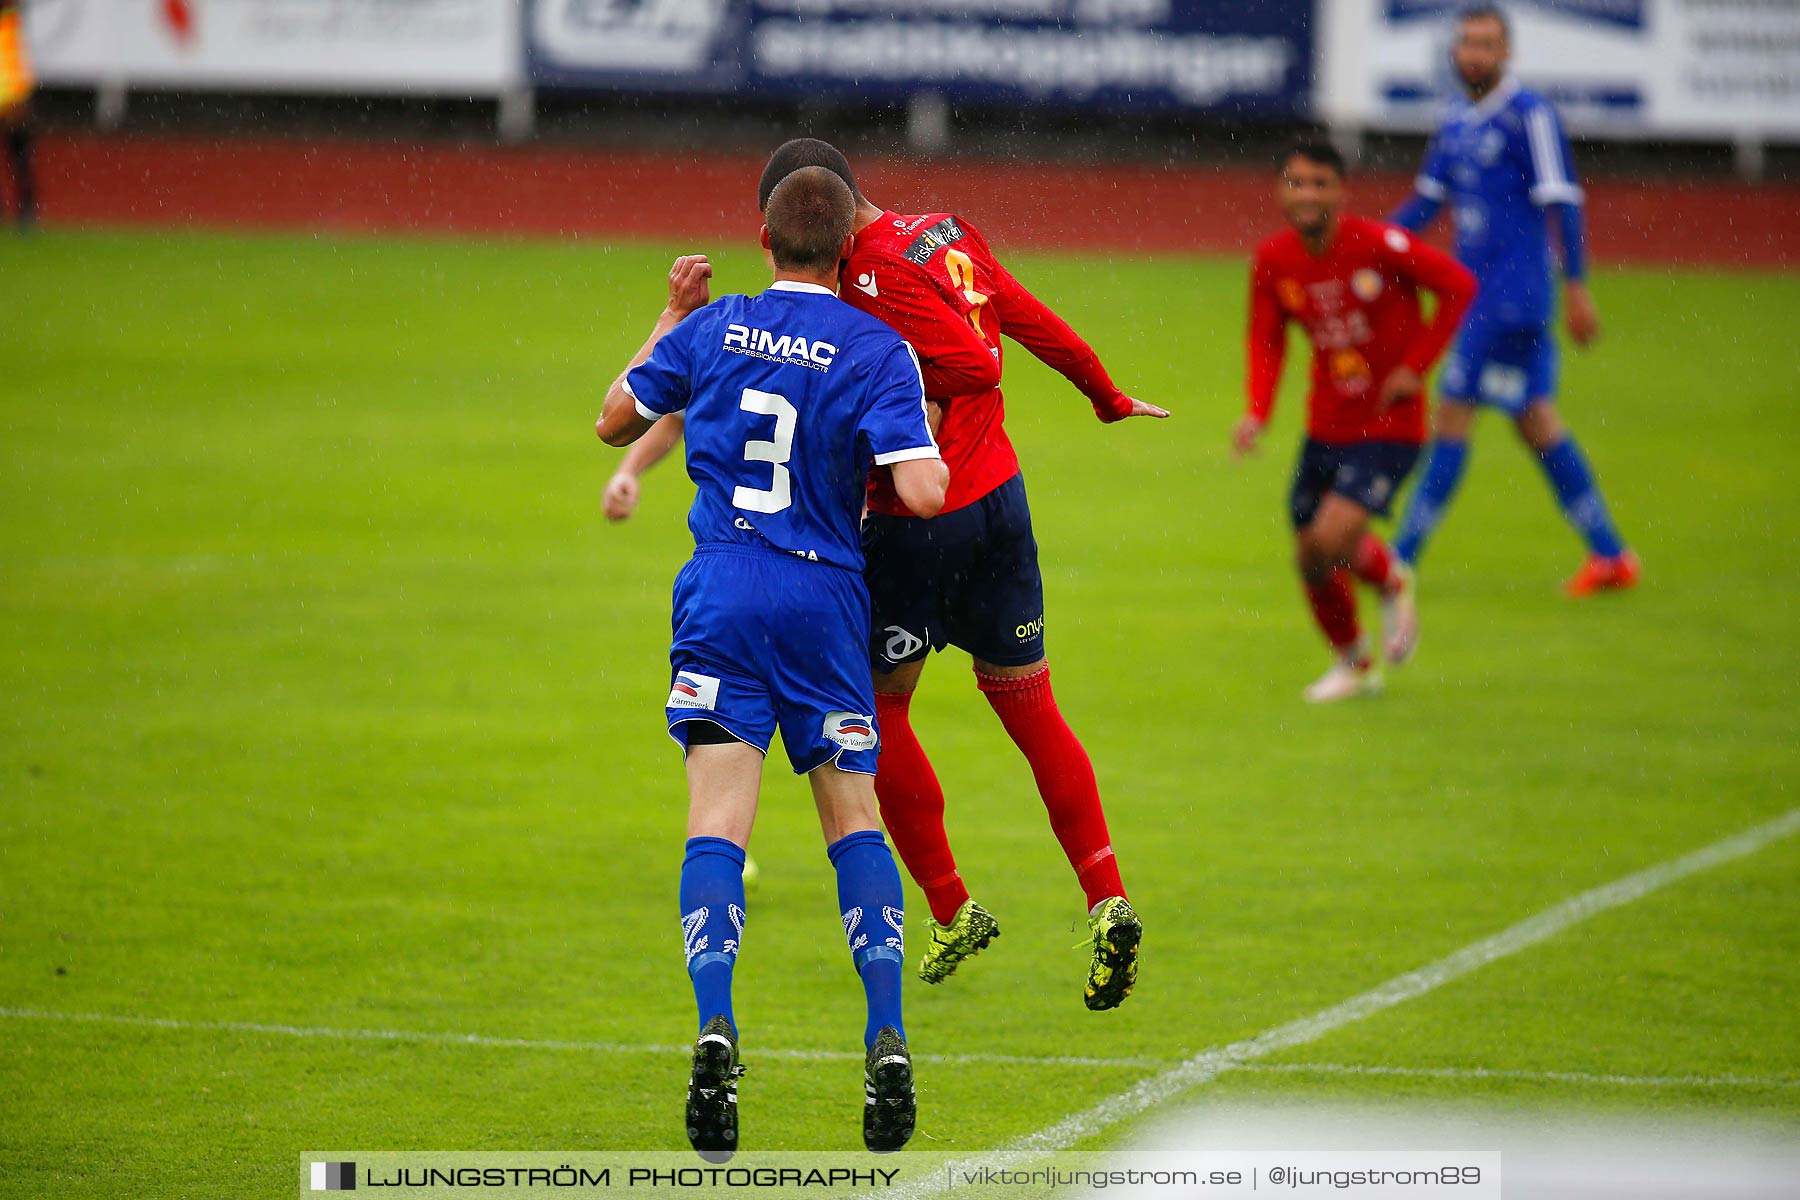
{"x":970,"y":578}
{"x":1353,"y":284}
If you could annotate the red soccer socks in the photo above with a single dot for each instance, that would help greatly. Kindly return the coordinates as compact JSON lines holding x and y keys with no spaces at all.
{"x":1065,"y":777}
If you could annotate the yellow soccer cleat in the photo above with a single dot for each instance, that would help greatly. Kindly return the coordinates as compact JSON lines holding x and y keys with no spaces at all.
{"x":1117,"y":931}
{"x":967,"y":935}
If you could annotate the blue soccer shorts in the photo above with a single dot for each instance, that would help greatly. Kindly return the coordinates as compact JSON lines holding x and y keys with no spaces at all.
{"x":1499,"y":365}
{"x":766,"y":641}
{"x":1369,"y":473}
{"x":967,"y":578}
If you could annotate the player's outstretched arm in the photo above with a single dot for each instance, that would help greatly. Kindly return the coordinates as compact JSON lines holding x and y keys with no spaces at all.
{"x":621,"y":421}
{"x":1035,"y":326}
{"x":1143,"y":408}
{"x":1031,"y":323}
{"x":620,"y":500}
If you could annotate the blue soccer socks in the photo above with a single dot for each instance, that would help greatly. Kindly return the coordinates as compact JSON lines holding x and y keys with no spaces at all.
{"x":712,"y":921}
{"x":1579,"y":495}
{"x":1431,"y":500}
{"x":872,"y":905}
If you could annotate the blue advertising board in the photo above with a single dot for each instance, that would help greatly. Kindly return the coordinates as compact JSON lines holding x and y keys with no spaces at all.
{"x":1251,"y":57}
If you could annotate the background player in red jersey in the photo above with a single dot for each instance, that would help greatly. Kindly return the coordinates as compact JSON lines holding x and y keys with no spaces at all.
{"x":1353,"y":285}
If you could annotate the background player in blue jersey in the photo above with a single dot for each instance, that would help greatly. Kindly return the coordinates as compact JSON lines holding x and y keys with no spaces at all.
{"x":1502,"y":161}
{"x":790,"y":398}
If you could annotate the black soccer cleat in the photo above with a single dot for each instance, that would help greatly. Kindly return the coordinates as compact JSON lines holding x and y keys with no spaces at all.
{"x":890,"y":1109}
{"x":712,"y":1092}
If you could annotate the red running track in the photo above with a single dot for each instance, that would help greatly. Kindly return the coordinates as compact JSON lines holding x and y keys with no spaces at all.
{"x":345,"y":185}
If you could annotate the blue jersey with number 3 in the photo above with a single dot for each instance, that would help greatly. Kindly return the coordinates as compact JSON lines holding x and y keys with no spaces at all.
{"x":790,"y":397}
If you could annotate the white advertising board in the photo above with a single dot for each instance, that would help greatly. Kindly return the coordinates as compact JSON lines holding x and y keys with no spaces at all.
{"x":1679,"y":69}
{"x":438,"y":47}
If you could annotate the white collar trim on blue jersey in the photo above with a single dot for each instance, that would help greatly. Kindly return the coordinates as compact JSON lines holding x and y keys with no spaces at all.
{"x":794,"y":285}
{"x":1494,"y":101}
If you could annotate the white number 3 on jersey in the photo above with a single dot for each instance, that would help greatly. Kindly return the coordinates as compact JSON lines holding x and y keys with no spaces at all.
{"x":779,"y":494}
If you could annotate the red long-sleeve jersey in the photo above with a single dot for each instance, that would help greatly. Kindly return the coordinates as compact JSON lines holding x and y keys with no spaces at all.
{"x":1359,"y":304}
{"x":934,"y":280}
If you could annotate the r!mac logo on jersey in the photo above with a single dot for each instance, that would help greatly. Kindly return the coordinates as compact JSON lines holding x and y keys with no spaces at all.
{"x":789,"y":347}
{"x":852,"y":731}
{"x":693,"y":691}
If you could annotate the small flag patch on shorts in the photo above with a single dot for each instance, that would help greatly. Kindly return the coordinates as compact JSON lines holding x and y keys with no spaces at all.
{"x":334,"y":1177}
{"x":693,"y":691}
{"x":852,"y":731}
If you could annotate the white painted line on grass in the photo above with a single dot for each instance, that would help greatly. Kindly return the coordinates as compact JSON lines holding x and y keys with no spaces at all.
{"x":1210,"y":1064}
{"x":1579,"y":1077}
{"x":1027,"y":1060}
{"x":477,"y":1039}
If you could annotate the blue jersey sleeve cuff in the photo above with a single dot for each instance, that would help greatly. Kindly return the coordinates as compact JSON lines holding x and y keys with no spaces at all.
{"x":644,"y":410}
{"x":897,"y":456}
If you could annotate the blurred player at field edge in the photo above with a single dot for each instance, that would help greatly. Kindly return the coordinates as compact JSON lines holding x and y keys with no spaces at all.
{"x":16,"y":83}
{"x":1353,"y":285}
{"x":791,"y":397}
{"x":1502,"y":161}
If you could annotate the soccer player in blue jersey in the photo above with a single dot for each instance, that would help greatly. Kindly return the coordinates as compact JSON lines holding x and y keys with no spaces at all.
{"x":1502,"y":162}
{"x":790,"y":397}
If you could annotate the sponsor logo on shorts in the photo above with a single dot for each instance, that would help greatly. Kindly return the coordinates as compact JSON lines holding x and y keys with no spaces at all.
{"x":901,"y":645}
{"x":852,"y":731}
{"x":1030,"y":629}
{"x":694,"y":691}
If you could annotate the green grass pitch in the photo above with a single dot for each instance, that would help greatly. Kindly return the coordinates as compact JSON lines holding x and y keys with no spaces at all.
{"x":328,"y":700}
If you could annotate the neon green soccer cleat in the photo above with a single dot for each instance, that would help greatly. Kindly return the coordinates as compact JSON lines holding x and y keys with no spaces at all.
{"x":967,"y":935}
{"x":1117,"y":931}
